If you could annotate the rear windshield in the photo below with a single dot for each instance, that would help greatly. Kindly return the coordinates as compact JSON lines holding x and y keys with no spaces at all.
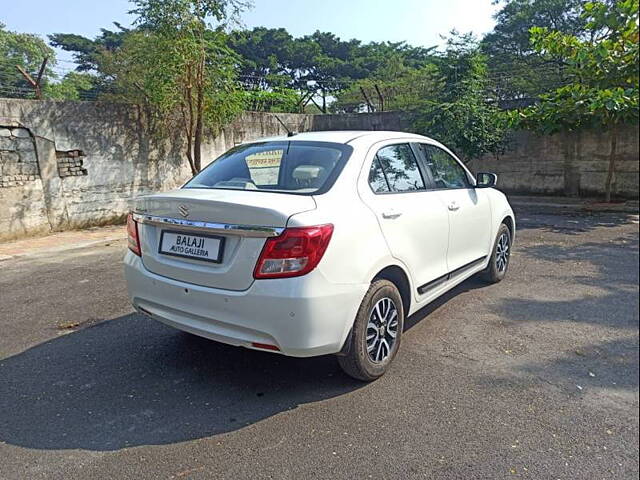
{"x":286,"y":167}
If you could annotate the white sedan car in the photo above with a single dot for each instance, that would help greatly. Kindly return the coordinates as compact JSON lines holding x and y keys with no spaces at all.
{"x":318,"y":243}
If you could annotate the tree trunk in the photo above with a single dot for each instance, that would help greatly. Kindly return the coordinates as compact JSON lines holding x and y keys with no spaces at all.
{"x":188,"y":129}
{"x":187,"y":111}
{"x":197,"y":137}
{"x":190,"y":156}
{"x":611,"y":174}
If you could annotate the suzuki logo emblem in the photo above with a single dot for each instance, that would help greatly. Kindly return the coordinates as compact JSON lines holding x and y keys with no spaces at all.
{"x":183,"y":210}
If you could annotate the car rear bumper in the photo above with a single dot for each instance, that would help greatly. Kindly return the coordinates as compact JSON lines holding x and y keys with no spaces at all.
{"x":302,"y":316}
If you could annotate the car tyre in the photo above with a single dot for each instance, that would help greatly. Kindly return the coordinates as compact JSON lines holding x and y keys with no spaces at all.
{"x":377,"y":330}
{"x":500,"y":255}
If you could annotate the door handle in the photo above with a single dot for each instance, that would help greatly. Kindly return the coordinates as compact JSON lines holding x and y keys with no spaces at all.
{"x":391,"y":214}
{"x":453,"y":206}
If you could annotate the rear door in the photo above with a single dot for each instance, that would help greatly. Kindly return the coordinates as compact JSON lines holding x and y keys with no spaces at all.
{"x":413,"y":220}
{"x":468,"y":208}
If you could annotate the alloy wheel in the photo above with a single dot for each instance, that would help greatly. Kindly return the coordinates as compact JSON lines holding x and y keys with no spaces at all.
{"x":502,"y":252}
{"x":382,"y":329}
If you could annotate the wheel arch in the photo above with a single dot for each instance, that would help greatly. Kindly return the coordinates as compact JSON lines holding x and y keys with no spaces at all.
{"x":400,"y":279}
{"x":510,"y":223}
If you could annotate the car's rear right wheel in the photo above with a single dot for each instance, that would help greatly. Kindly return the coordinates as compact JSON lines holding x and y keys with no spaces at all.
{"x":375,"y":337}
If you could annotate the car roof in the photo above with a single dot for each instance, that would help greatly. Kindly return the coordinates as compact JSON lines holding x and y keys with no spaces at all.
{"x":343,"y":136}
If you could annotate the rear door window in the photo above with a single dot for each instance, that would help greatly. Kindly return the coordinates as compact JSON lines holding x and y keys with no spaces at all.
{"x":377,"y":179}
{"x":395,"y":169}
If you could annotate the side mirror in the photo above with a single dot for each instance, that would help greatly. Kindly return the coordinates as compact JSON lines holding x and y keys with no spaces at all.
{"x":486,"y":180}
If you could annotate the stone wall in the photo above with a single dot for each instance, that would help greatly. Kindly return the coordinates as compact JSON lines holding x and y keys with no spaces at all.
{"x":18,"y":162}
{"x":69,"y":165}
{"x":571,"y":164}
{"x":22,"y":207}
{"x":66,"y":165}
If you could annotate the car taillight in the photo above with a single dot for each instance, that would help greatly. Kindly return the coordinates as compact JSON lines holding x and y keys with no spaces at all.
{"x":296,"y":251}
{"x":132,"y":234}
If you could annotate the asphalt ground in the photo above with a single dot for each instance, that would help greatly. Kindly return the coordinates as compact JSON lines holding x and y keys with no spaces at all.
{"x":535,"y":377}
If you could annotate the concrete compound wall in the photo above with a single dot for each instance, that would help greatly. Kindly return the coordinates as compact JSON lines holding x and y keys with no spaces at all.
{"x":66,"y":165}
{"x":571,"y":164}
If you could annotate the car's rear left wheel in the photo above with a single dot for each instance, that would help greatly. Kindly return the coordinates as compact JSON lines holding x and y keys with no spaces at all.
{"x":377,"y":330}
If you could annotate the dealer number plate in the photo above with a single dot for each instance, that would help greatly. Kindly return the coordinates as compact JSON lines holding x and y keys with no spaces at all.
{"x":199,"y":247}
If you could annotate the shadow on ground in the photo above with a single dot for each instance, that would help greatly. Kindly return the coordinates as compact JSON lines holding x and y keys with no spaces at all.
{"x":473,"y":283}
{"x":132,"y":381}
{"x":612,"y":276}
{"x":603,"y":320}
{"x":609,"y":365}
{"x":570,"y":222}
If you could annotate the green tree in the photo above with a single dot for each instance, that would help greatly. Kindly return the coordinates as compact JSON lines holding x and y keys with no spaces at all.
{"x":28,"y":51}
{"x":518,"y":73}
{"x":272,"y":64}
{"x":330,"y":65}
{"x":73,"y":86}
{"x":394,"y":85}
{"x":274,"y":99}
{"x":265,"y":54}
{"x":320,"y":64}
{"x":460,"y":113}
{"x":89,"y":55}
{"x":176,"y":63}
{"x":603,"y":69}
{"x":87,"y":52}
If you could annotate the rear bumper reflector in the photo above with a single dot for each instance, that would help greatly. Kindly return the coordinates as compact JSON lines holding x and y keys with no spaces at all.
{"x":265,"y":346}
